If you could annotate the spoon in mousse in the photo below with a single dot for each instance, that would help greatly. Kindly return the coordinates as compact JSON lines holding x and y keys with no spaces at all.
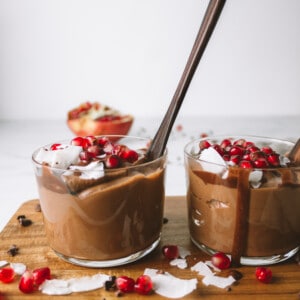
{"x":209,"y":22}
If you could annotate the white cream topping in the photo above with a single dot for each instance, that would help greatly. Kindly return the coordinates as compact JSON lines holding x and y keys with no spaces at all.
{"x":93,"y":170}
{"x":212,"y":161}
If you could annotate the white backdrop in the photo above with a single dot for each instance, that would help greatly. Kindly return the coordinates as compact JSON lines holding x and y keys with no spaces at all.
{"x":130,"y":54}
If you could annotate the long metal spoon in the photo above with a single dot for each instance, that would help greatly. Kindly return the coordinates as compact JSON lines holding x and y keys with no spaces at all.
{"x":210,"y":19}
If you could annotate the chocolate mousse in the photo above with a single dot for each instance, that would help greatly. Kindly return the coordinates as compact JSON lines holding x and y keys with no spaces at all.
{"x":242,"y":207}
{"x":105,"y":208}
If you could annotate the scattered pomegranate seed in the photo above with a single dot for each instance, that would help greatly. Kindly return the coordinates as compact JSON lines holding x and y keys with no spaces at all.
{"x":221,"y":261}
{"x":80,"y":141}
{"x":143,"y":285}
{"x":170,"y":251}
{"x":252,"y":149}
{"x":263,"y":274}
{"x":102,"y":141}
{"x":125,"y":284}
{"x":273,"y":160}
{"x":260,"y":163}
{"x":267,"y":150}
{"x":179,"y":127}
{"x":225,"y":144}
{"x":40,"y":275}
{"x":26,"y":284}
{"x":91,"y":139}
{"x":7,"y":275}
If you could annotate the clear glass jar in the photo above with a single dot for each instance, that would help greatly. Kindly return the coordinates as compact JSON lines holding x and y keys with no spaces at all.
{"x":252,"y":214}
{"x":105,"y":222}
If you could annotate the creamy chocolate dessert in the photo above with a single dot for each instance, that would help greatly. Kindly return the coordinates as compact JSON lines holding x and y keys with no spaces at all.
{"x":102,"y":202}
{"x":243,"y":198}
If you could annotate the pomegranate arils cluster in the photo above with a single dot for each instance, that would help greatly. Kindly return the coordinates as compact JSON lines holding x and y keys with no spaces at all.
{"x":142,"y":285}
{"x":112,"y":155}
{"x":263,"y":274}
{"x":244,"y":154}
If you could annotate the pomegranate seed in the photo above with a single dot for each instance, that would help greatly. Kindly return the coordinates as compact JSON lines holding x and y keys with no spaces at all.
{"x":130,"y":156}
{"x":257,"y":155}
{"x":204,"y":145}
{"x":93,"y":151}
{"x":218,"y":149}
{"x":235,"y":159}
{"x":236,"y":150}
{"x":26,"y":284}
{"x":221,"y":261}
{"x":85,"y":156}
{"x":260,"y":163}
{"x":102,"y":141}
{"x":80,"y":141}
{"x":55,"y":147}
{"x":246,"y":156}
{"x":91,"y":139}
{"x":125,"y":284}
{"x":245,"y":164}
{"x":225,"y":144}
{"x":239,"y":142}
{"x":40,"y":275}
{"x":119,"y":149}
{"x":143,"y":285}
{"x":170,"y":251}
{"x":226,"y":157}
{"x":263,"y":274}
{"x":252,"y":149}
{"x":112,"y":162}
{"x":273,"y":160}
{"x":108,"y":148}
{"x":248,"y":144}
{"x":267,"y":150}
{"x":7,"y":275}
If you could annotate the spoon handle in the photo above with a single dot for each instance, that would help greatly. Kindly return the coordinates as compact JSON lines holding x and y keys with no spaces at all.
{"x":211,"y":16}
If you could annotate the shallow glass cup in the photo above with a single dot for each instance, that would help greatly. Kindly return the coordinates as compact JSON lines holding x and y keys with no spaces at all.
{"x":104,"y":222}
{"x":252,"y":214}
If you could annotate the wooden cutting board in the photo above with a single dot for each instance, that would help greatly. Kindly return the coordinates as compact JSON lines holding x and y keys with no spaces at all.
{"x":34,"y":252}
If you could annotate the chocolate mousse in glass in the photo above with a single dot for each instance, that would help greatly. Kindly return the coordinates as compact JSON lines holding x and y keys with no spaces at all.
{"x":102,"y":202}
{"x":243,"y":197}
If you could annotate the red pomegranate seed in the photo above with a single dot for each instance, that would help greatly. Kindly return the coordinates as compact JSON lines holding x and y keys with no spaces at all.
{"x":252,"y":149}
{"x":55,"y":146}
{"x":235,"y":159}
{"x":143,"y":285}
{"x":170,"y":251}
{"x":26,"y":284}
{"x":267,"y":150}
{"x":80,"y":141}
{"x":119,"y":149}
{"x":260,"y":163}
{"x":7,"y":275}
{"x":40,"y":275}
{"x":246,"y":156}
{"x":130,"y":156}
{"x":221,"y":261}
{"x":236,"y":150}
{"x":85,"y":156}
{"x":273,"y":160}
{"x":219,"y":149}
{"x":225,"y":144}
{"x":248,"y":144}
{"x":102,"y":141}
{"x":125,"y":284}
{"x":245,"y":164}
{"x":263,"y":274}
{"x":93,"y":150}
{"x":226,"y":157}
{"x":204,"y":145}
{"x":239,"y":142}
{"x":257,"y":155}
{"x":91,"y":139}
{"x":112,"y":162}
{"x":108,"y":148}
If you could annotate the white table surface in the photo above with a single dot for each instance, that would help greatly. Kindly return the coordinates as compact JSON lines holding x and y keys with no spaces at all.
{"x":18,"y":139}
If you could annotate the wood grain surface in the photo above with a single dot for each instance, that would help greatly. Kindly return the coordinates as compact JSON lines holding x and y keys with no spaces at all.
{"x":35,"y":253}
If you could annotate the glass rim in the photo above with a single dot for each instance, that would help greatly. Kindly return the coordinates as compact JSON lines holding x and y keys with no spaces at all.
{"x":144,"y":164}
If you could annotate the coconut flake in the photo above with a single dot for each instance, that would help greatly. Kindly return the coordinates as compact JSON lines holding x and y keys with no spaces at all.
{"x":211,"y":265}
{"x":255,"y":178}
{"x":55,"y":287}
{"x":170,"y":286}
{"x":87,"y":283}
{"x":179,"y":262}
{"x":19,"y":268}
{"x":61,"y":158}
{"x":3,"y":263}
{"x":202,"y":269}
{"x":93,"y":170}
{"x":212,"y":161}
{"x":218,"y":281}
